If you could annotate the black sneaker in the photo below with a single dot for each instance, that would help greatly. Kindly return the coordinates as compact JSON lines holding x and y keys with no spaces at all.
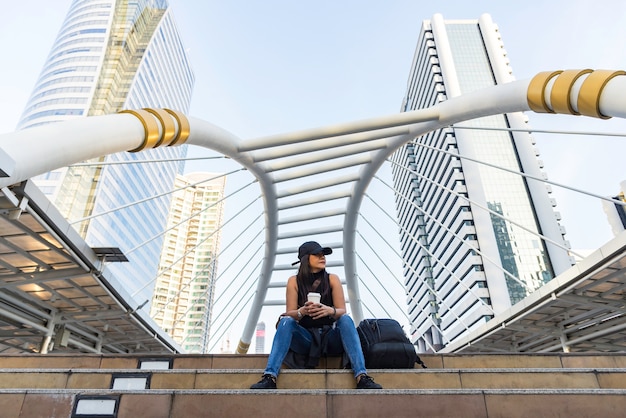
{"x":367,"y":382}
{"x":267,"y":382}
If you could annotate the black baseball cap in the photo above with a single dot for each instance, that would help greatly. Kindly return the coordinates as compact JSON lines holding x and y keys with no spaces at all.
{"x":311,"y":247}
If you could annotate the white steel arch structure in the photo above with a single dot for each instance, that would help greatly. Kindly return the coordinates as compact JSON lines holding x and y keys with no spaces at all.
{"x":348,"y":154}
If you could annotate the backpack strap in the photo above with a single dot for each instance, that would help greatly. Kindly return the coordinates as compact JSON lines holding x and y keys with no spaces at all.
{"x":420,"y":362}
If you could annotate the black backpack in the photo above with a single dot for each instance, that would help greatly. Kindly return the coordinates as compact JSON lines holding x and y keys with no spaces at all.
{"x":386,"y":346}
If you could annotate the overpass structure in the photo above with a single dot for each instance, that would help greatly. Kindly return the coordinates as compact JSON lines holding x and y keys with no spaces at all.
{"x":63,"y":295}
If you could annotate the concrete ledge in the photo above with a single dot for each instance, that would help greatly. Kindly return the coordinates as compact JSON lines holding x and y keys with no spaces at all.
{"x":322,"y":379}
{"x":331,"y":403}
{"x":258,"y":361}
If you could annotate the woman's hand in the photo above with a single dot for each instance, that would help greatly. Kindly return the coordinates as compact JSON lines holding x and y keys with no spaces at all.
{"x":316,"y":310}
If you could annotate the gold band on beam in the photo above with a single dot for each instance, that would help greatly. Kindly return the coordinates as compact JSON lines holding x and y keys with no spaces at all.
{"x":535,"y":96}
{"x":150,"y":126}
{"x":183,"y":128}
{"x":162,"y":127}
{"x":167,"y":124}
{"x":590,"y":91}
{"x":242,"y":348}
{"x":560,"y":94}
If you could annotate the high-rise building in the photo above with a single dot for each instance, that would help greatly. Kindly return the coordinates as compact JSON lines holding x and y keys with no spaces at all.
{"x":469,"y":232}
{"x":111,"y":55}
{"x":260,"y":338}
{"x":185,"y":287}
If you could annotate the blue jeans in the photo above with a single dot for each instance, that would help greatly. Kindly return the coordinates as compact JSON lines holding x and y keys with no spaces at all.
{"x":290,"y":335}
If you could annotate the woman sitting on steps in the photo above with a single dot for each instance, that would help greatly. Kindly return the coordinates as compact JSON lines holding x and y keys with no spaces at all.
{"x":300,"y":326}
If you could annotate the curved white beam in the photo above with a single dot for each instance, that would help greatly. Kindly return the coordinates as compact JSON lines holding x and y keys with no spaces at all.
{"x":41,"y":149}
{"x":204,"y":135}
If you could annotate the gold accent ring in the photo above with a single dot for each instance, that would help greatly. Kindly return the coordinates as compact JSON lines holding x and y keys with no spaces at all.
{"x":167,"y":124}
{"x":536,"y":91}
{"x":150,"y":126}
{"x":162,"y":127}
{"x":183,"y":128}
{"x":562,"y":89}
{"x":591,"y":90}
{"x":242,"y":348}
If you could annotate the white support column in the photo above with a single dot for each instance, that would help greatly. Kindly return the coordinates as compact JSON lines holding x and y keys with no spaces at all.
{"x":47,"y":339}
{"x":564,"y":343}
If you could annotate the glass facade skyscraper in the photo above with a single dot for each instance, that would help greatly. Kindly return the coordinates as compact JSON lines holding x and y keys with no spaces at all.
{"x":469,"y":231}
{"x":111,"y":55}
{"x":185,"y":287}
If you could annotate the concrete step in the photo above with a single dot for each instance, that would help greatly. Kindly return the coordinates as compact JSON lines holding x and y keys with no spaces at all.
{"x":331,"y":379}
{"x":258,"y":361}
{"x":467,"y":403}
{"x":473,"y":385}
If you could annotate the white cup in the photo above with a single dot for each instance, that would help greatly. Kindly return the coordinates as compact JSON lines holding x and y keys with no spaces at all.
{"x":314,"y":297}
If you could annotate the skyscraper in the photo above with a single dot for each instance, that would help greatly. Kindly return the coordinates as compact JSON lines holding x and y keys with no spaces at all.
{"x":111,"y":55}
{"x":469,"y":231}
{"x":260,"y":338}
{"x":185,"y":287}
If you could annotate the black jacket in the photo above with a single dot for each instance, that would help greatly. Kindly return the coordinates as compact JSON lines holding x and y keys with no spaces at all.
{"x":326,"y":341}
